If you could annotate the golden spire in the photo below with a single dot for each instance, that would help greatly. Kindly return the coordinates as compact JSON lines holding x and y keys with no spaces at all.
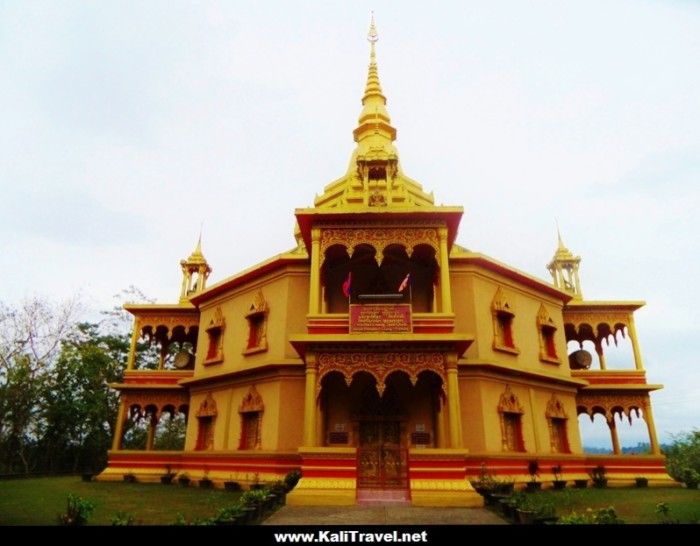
{"x":374,"y":118}
{"x":374,"y":177}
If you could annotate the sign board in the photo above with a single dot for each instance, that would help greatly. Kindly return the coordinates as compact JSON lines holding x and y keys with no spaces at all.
{"x":378,"y":317}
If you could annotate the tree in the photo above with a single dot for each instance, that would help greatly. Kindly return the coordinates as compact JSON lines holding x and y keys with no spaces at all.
{"x":79,"y":406}
{"x":683,"y":458}
{"x":30,"y":338}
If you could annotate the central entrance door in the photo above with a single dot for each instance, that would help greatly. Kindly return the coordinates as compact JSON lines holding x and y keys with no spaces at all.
{"x":382,"y":463}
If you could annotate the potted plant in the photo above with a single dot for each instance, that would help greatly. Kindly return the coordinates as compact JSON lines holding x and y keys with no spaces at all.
{"x":129,"y":477}
{"x":533,"y":468}
{"x":525,"y":511}
{"x":205,"y":482}
{"x":558,"y":483}
{"x":256,"y":485}
{"x":169,"y":475}
{"x":291,"y":479}
{"x":545,"y":514}
{"x":641,"y":481}
{"x":184,"y":479}
{"x":231,"y":485}
{"x":598,"y":476}
{"x":581,"y":484}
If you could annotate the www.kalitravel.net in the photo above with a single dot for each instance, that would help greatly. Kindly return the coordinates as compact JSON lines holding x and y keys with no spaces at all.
{"x":352,"y":537}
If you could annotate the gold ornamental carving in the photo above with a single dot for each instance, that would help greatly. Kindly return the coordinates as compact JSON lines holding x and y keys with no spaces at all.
{"x":610,"y":404}
{"x":440,"y":485}
{"x":208,"y":407}
{"x":501,"y":304}
{"x":161,"y":400}
{"x":509,"y":403}
{"x":544,"y":318}
{"x":380,"y":366}
{"x":258,"y":305}
{"x":217,"y":321}
{"x":326,"y":483}
{"x":252,"y":402}
{"x":379,"y":238}
{"x":555,"y":409}
{"x":168,"y":321}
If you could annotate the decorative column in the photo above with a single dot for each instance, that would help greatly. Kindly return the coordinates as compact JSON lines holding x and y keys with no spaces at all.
{"x":601,"y":354}
{"x":135,"y":334}
{"x":446,"y":295}
{"x":151,"y":434}
{"x":613,"y":435}
{"x":651,"y":427}
{"x":119,"y":426}
{"x":632,"y":330}
{"x":310,"y":401}
{"x":441,"y":426}
{"x":453,"y":404}
{"x":315,"y":280}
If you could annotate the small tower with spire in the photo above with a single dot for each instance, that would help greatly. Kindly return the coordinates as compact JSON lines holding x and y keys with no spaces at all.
{"x":195,"y":271}
{"x":564,"y":269}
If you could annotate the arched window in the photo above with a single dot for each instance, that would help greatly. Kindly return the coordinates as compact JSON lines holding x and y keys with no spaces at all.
{"x":557,"y":420}
{"x":503,"y":314}
{"x":511,"y":413}
{"x":251,"y":410}
{"x":206,"y":415}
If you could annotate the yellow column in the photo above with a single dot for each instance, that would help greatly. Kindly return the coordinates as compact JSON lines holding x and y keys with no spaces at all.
{"x":441,"y":431}
{"x":446,"y":294}
{"x":613,"y":435}
{"x":320,"y":429}
{"x":135,"y":334}
{"x":601,"y":359}
{"x":315,"y":282}
{"x":119,"y":426}
{"x":453,"y":405}
{"x":632,"y":331}
{"x":151,"y":437}
{"x":310,"y":401}
{"x":651,"y":427}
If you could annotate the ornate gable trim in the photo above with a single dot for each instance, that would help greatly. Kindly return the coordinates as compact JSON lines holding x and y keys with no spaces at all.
{"x":501,"y":304}
{"x":555,"y":409}
{"x":218,"y":321}
{"x":258,"y":306}
{"x":252,"y":402}
{"x":509,"y":403}
{"x":208,"y":407}
{"x":544,"y":318}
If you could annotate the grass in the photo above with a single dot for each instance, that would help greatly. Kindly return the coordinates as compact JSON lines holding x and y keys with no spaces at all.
{"x":632,"y":505}
{"x":39,"y":501}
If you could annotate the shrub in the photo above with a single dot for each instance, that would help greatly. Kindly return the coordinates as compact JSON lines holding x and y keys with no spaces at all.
{"x":683,"y":458}
{"x":122,"y":519}
{"x":78,"y":510}
{"x":602,"y":516}
{"x":291,"y":479}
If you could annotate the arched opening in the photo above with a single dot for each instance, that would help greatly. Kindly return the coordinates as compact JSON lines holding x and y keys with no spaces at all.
{"x":595,"y":433}
{"x":170,"y":430}
{"x":346,"y":279}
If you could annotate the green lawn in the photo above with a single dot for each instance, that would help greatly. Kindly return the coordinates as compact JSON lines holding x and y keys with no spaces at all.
{"x":38,"y":501}
{"x":632,"y":505}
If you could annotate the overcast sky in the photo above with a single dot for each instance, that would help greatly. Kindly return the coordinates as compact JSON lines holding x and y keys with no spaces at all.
{"x":125,"y":125}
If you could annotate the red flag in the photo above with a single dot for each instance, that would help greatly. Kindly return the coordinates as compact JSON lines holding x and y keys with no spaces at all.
{"x":405,"y":282}
{"x":347,"y":285}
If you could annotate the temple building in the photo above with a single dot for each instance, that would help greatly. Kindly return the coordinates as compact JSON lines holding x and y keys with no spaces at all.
{"x":379,"y":357}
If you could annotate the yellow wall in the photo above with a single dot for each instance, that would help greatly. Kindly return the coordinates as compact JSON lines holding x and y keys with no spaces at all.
{"x":286,"y":293}
{"x":473,"y":292}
